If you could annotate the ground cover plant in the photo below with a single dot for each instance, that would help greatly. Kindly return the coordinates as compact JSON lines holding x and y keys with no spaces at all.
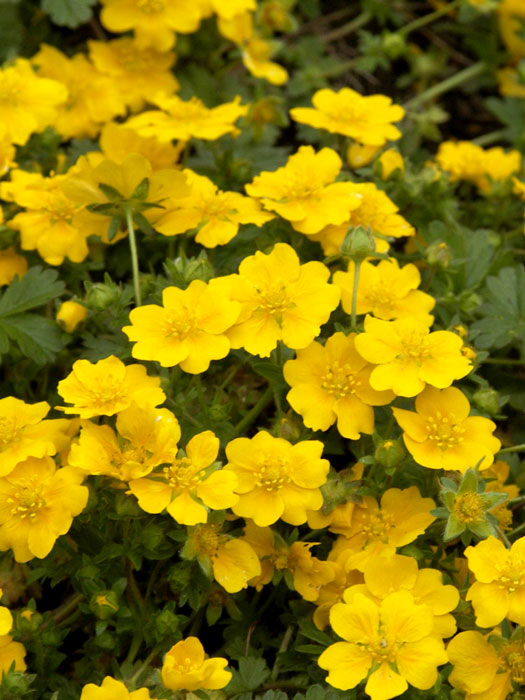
{"x":262,"y":349}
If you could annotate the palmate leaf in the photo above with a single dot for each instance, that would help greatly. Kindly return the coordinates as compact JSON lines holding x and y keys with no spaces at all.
{"x":503,"y":321}
{"x":68,"y":13}
{"x":37,"y":337}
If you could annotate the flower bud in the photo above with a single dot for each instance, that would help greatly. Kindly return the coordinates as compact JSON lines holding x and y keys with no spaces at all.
{"x":358,"y":244}
{"x":394,"y":44}
{"x":390,"y":162}
{"x":487,"y":400}
{"x":104,"y":604}
{"x":101,"y":296}
{"x":438,"y":254}
{"x":358,"y":156}
{"x":389,"y":453}
{"x":70,"y":315}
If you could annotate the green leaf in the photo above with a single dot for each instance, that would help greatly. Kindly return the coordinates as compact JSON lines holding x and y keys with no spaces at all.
{"x":143,"y":224}
{"x":110,"y":192}
{"x":453,"y":529}
{"x":36,"y":288}
{"x":251,"y":675}
{"x":308,"y":629}
{"x":503,"y":321}
{"x":68,"y":13}
{"x":141,"y":190}
{"x":114,"y":227}
{"x":38,"y":338}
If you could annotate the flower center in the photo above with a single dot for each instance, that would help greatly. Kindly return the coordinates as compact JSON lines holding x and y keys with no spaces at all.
{"x":415,"y":348}
{"x":9,"y":432}
{"x":178,"y":324}
{"x":444,"y":431}
{"x":185,"y":666}
{"x":382,"y":649}
{"x":274,"y":301}
{"x":26,"y":499}
{"x":272,"y":473}
{"x":205,"y":540}
{"x":468,"y":508}
{"x":339,"y":380}
{"x":512,"y":577}
{"x":377,"y":526}
{"x":514,"y":661}
{"x":150,"y":7}
{"x":380,"y":298}
{"x":182,"y":475}
{"x":106,"y":397}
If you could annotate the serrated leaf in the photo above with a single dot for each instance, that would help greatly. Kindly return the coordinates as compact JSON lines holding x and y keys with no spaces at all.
{"x":68,"y":13}
{"x":503,"y":321}
{"x":36,"y":288}
{"x":251,"y":675}
{"x":38,"y":338}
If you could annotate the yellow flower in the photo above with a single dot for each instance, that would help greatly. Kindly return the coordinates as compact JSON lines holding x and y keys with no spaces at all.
{"x":330,"y":383}
{"x":92,"y":98}
{"x":485,"y":670}
{"x":52,"y":223}
{"x":11,"y":652}
{"x":374,"y":529}
{"x":24,"y":433}
{"x":37,"y":505}
{"x":186,"y":667}
{"x":332,"y":593}
{"x":409,"y":356}
{"x":280,"y":300}
{"x":357,"y":155}
{"x":255,"y":50}
{"x":368,"y":120}
{"x":6,"y":619}
{"x":385,"y":290}
{"x":389,"y":644}
{"x":70,"y":314}
{"x":216,"y":214}
{"x":308,"y":573}
{"x":510,"y":83}
{"x":112,"y":690}
{"x":441,"y":435}
{"x":304,"y":191}
{"x":376,"y":212}
{"x":390,"y":161}
{"x":232,"y":561}
{"x":387,"y":573}
{"x":136,"y":73}
{"x":232,"y":8}
{"x":147,"y":437}
{"x":118,"y":141}
{"x":107,"y":387}
{"x":496,"y":477}
{"x":276,"y":479}
{"x":187,"y":487}
{"x":510,"y":15}
{"x":188,"y":330}
{"x":28,"y":103}
{"x":499,"y":590}
{"x":464,"y":160}
{"x":7,"y":156}
{"x":180,"y":119}
{"x":11,"y":265}
{"x":154,"y":21}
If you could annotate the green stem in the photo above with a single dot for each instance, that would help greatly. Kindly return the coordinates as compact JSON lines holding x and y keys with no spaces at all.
{"x":517,"y":530}
{"x":428,"y":19}
{"x":357,"y":270}
{"x":252,"y":414}
{"x":134,"y":257}
{"x":144,"y":664}
{"x":349,"y":27}
{"x":67,"y":607}
{"x":514,"y":448}
{"x":463,"y":76}
{"x":502,"y":361}
{"x":516,"y":501}
{"x":491,"y":137}
{"x":284,"y":646}
{"x":503,"y":537}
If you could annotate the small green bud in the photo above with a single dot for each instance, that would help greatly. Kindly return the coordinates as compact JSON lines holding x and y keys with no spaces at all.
{"x":390,"y":453}
{"x":469,"y":301}
{"x":438,"y":255}
{"x":101,"y":296}
{"x":487,"y":400}
{"x":124,"y":505}
{"x":104,"y":604}
{"x":394,"y":44}
{"x":288,"y":427}
{"x":358,"y":244}
{"x":166,"y":622}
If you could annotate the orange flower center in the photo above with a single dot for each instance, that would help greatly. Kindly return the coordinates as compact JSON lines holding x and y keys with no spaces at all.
{"x":178,"y":324}
{"x":8,"y":431}
{"x":444,"y":431}
{"x":468,"y":508}
{"x":151,"y":7}
{"x":26,"y":498}
{"x":339,"y":380}
{"x":182,"y":475}
{"x":272,"y":473}
{"x":514,"y":661}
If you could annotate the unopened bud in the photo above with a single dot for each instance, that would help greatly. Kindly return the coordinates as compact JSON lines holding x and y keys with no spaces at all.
{"x":389,"y":453}
{"x":438,"y":254}
{"x":487,"y":400}
{"x":358,"y":244}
